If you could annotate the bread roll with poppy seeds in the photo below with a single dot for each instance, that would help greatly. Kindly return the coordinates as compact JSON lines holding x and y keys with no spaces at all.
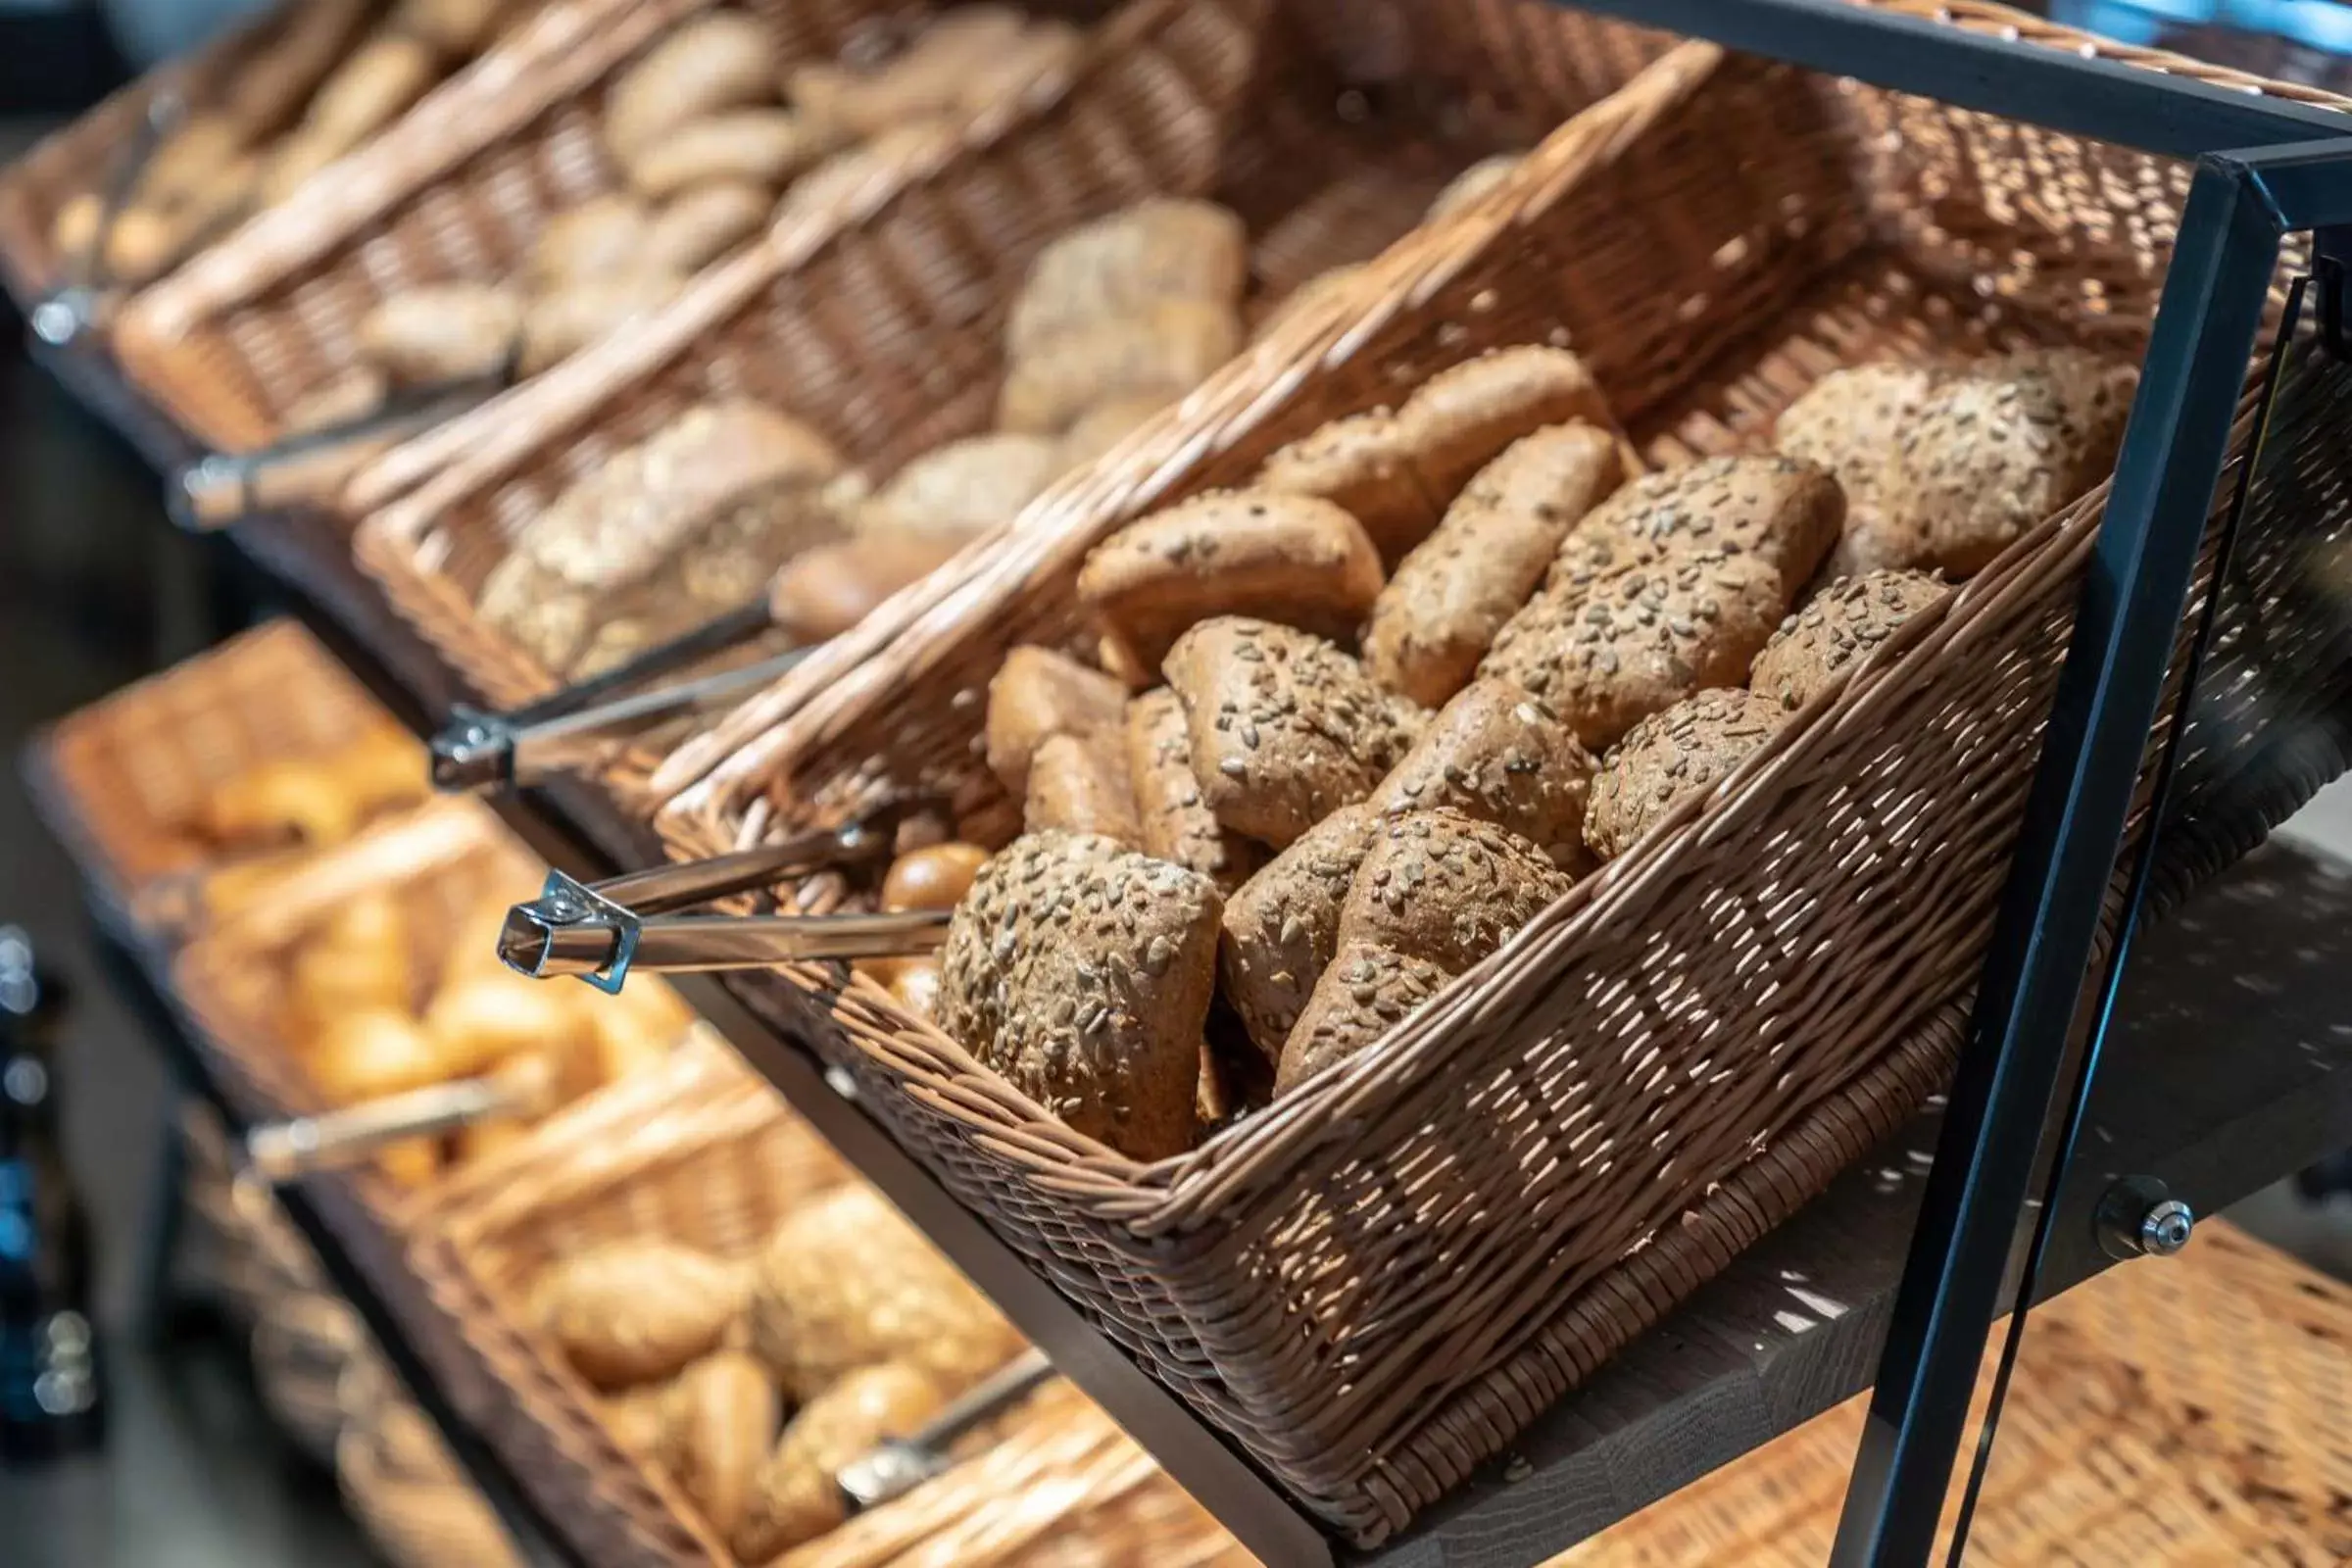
{"x":1439,"y":614}
{"x":1037,"y":694}
{"x":1079,"y":784}
{"x":1608,"y":655}
{"x":1669,"y":758}
{"x":1846,"y":423}
{"x":1285,"y":727}
{"x":1083,"y":972}
{"x":1498,"y":754}
{"x":1282,"y":926}
{"x":1782,"y":512}
{"x":1293,"y":560}
{"x":1837,"y":628}
{"x":1175,"y":821}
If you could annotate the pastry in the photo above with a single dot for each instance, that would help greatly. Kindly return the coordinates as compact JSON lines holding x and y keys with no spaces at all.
{"x":1037,"y":694}
{"x":1498,"y":754}
{"x":1608,"y":655}
{"x":1082,"y":972}
{"x":1837,"y":628}
{"x":1172,"y":816}
{"x":1285,"y":727}
{"x":1671,"y":756}
{"x":1295,"y":560}
{"x":1453,"y":592}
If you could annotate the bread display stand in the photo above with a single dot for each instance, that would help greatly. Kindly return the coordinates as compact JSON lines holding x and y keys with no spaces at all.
{"x":1796,"y":1323}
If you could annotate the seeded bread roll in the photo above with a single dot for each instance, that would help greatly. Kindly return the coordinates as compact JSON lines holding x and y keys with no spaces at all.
{"x":1842,"y":624}
{"x":1847,"y":423}
{"x":1366,"y":990}
{"x":1445,"y":887}
{"x":704,"y":225}
{"x":1996,"y":451}
{"x":1784,"y":512}
{"x":1175,"y":822}
{"x":1439,"y":614}
{"x":1038,"y":694}
{"x":445,"y":332}
{"x":1083,"y":972}
{"x":1461,"y":419}
{"x":1629,"y":645}
{"x":1161,"y":248}
{"x":1285,"y":727}
{"x":1293,"y":560}
{"x":966,"y":487}
{"x":1361,"y":464}
{"x":756,"y":146}
{"x":1670,"y":757}
{"x":720,"y":59}
{"x":1164,"y":346}
{"x":1500,"y":754}
{"x":603,"y":234}
{"x":1079,"y":784}
{"x":1281,"y":927}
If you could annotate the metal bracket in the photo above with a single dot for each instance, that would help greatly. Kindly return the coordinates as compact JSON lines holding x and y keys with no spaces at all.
{"x":565,"y":903}
{"x":473,"y":751}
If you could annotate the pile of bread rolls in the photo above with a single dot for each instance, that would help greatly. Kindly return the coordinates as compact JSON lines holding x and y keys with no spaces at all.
{"x":335,"y":74}
{"x":376,"y":1007}
{"x":753,"y":1382}
{"x":1390,"y":664}
{"x":707,"y":128}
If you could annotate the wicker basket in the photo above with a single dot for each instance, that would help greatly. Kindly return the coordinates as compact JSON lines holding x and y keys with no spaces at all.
{"x":718,"y":1168}
{"x":877,"y":314}
{"x":1374,"y":1285}
{"x":123,"y":780}
{"x":2184,"y":1410}
{"x":399,"y":1481}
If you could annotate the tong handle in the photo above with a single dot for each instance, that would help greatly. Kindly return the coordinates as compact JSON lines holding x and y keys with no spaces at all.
{"x":900,"y":1464}
{"x":75,"y":306}
{"x":661,"y":889}
{"x":285,"y":1150}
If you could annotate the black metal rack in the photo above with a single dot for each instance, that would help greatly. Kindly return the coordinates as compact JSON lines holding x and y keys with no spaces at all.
{"x":1895,"y":1275}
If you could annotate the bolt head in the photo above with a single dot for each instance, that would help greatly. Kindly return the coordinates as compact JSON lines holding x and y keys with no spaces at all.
{"x":2165,"y":1228}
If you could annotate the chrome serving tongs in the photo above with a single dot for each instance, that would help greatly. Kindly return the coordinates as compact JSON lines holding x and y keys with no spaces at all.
{"x":222,"y":488}
{"x":80,"y":302}
{"x":900,"y":1464}
{"x":281,"y":1151}
{"x":599,"y":931}
{"x":814,"y":596}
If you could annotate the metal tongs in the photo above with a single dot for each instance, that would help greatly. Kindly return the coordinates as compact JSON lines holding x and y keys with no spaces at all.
{"x":82,"y":300}
{"x":223,"y":488}
{"x":285,"y":1150}
{"x":900,"y":1464}
{"x":599,"y":931}
{"x":812,"y":598}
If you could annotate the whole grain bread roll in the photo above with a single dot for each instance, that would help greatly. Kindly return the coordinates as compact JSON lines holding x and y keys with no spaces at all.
{"x":1366,"y":990}
{"x":1838,"y":628}
{"x":1500,"y":754}
{"x":754,"y":146}
{"x":1781,"y":510}
{"x":1846,"y":423}
{"x":602,"y":236}
{"x":1037,"y":694}
{"x":1461,"y":419}
{"x":1282,"y":926}
{"x":1446,"y":888}
{"x":1174,"y":819}
{"x":1362,"y":465}
{"x":716,"y":61}
{"x":1161,"y":248}
{"x":1436,"y":618}
{"x":1163,"y":346}
{"x":963,"y":488}
{"x":704,"y":225}
{"x":1079,"y":784}
{"x":1669,"y":758}
{"x":1996,"y":450}
{"x":1606,"y":656}
{"x":1285,"y":727}
{"x":442,"y":332}
{"x":1083,"y":972}
{"x":1292,"y":560}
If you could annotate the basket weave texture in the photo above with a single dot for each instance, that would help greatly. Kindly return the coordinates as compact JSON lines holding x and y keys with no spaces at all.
{"x":716,"y":1166}
{"x":1374,"y":1285}
{"x":2182,"y":1411}
{"x":401,"y":1484}
{"x":876,"y":309}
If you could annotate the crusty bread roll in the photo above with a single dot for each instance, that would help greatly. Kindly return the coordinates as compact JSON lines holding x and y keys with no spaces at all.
{"x":1838,"y":628}
{"x":1171,"y":814}
{"x":1669,"y":758}
{"x":1038,"y":694}
{"x":1500,"y":754}
{"x":1079,"y":784}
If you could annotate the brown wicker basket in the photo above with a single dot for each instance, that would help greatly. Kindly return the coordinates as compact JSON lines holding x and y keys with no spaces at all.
{"x":719,"y":1167}
{"x":877,"y":314}
{"x":2175,"y":1411}
{"x":1374,"y":1285}
{"x":122,"y":781}
{"x":399,"y":1481}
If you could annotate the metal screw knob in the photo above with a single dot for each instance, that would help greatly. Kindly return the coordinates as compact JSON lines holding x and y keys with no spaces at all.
{"x":2138,"y":1217}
